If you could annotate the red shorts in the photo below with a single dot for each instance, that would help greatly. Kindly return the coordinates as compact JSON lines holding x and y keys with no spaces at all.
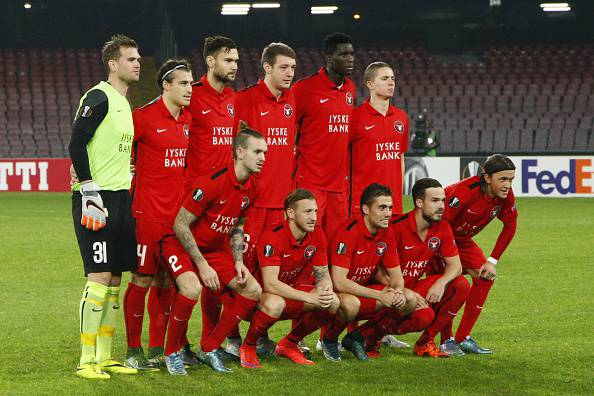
{"x":258,"y":220}
{"x":178,"y":261}
{"x":148,"y":235}
{"x":332,"y":208}
{"x":294,"y":309}
{"x":471,"y":256}
{"x":368,"y":305}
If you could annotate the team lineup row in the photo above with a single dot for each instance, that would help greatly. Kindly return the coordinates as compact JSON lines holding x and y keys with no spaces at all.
{"x":233,"y":197}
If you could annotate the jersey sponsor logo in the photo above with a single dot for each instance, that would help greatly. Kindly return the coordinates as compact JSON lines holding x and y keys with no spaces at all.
{"x":309,"y":252}
{"x":198,"y":195}
{"x":349,"y":98}
{"x":399,"y":126}
{"x":342,"y":248}
{"x":161,"y":130}
{"x":263,"y":113}
{"x":268,"y":250}
{"x":86,"y":112}
{"x":324,"y":100}
{"x":495,"y":211}
{"x":368,"y":127}
{"x":338,"y":123}
{"x":381,"y":248}
{"x":454,"y":202}
{"x":288,"y":110}
{"x":186,"y":130}
{"x":245,"y":202}
{"x":206,"y":111}
{"x":434,"y":243}
{"x":231,"y":110}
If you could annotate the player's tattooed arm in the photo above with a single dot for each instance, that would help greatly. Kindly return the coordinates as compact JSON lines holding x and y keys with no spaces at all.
{"x":237,"y":237}
{"x":181,"y":227}
{"x":322,"y":276}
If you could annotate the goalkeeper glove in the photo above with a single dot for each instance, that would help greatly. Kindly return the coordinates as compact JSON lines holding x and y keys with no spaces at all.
{"x":94,"y":214}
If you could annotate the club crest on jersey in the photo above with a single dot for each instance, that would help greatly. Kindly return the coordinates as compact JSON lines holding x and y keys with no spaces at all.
{"x":454,"y":202}
{"x":434,"y":243}
{"x":187,"y":131}
{"x":381,"y":248}
{"x":342,"y":248}
{"x":399,"y":126}
{"x":245,"y":202}
{"x":268,"y":250}
{"x":309,"y":252}
{"x":288,"y":110}
{"x":231,"y":110}
{"x":198,"y":195}
{"x":349,"y":98}
{"x":495,"y":211}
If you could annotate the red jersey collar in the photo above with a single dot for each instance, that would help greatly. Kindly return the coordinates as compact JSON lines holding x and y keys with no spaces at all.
{"x":324,"y":77}
{"x":233,"y":176}
{"x":365,"y":230}
{"x":165,"y":111}
{"x":284,"y":93}
{"x":367,"y":105}
{"x":291,"y":238}
{"x":210,"y":89}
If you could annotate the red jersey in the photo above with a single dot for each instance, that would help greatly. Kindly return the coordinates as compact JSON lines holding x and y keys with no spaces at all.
{"x":377,"y":145}
{"x":275,"y":120}
{"x":416,"y":255}
{"x":211,"y":133}
{"x":160,"y":145}
{"x":218,"y":201}
{"x":277,"y":247}
{"x":469,"y":210}
{"x":323,"y":115}
{"x":356,"y":249}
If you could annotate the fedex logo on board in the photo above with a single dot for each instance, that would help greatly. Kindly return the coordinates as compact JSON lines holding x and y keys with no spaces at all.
{"x":576,"y":177}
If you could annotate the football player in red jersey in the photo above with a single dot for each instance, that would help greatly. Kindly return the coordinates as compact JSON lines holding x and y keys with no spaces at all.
{"x":287,"y":255}
{"x":161,"y":131}
{"x":325,"y":101}
{"x":269,"y":107}
{"x":378,"y":138}
{"x":358,"y":250}
{"x":212,"y":109}
{"x":209,"y":245}
{"x":471,"y":205}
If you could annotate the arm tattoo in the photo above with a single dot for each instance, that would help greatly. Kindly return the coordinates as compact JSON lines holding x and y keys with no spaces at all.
{"x":237,"y":244}
{"x":181,"y":227}
{"x":320,"y":273}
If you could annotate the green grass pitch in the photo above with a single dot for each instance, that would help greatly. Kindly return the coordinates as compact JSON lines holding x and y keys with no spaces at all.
{"x":539,"y":319}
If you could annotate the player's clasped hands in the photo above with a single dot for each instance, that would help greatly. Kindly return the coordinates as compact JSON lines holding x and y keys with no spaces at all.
{"x":324,"y":298}
{"x":209,"y":276}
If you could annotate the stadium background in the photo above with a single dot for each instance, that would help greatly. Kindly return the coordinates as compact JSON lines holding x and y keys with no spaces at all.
{"x":494,"y":76}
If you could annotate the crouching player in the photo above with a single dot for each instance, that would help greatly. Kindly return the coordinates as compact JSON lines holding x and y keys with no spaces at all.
{"x":472,"y":204}
{"x":287,"y":255}
{"x":358,"y":249}
{"x":209,"y":244}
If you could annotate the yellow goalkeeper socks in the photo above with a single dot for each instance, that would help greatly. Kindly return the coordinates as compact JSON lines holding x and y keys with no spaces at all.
{"x":91,"y":311}
{"x":108,"y":320}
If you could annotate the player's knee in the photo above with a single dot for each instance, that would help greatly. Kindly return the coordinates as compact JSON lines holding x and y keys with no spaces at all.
{"x":103,"y":278}
{"x":141,"y":280}
{"x":349,"y":306}
{"x":411,"y":302}
{"x":161,"y":280}
{"x":253,"y":290}
{"x":189,"y":286}
{"x":271,"y":304}
{"x":461,"y":286}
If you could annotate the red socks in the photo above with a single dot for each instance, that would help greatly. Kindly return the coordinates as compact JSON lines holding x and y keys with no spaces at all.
{"x":310,"y":322}
{"x":474,"y":306}
{"x":416,"y":321}
{"x":178,"y":322}
{"x":159,"y":306}
{"x":261,"y":322}
{"x":232,"y":314}
{"x":211,"y":310}
{"x":134,"y":313}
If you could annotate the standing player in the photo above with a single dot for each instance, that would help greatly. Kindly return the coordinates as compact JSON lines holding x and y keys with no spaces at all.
{"x":287,"y":254}
{"x":379,"y":138}
{"x":212,"y":109}
{"x":100,"y":149}
{"x":209,"y":244}
{"x":269,"y":107}
{"x":360,"y":247}
{"x":472,"y":204}
{"x":325,"y":101}
{"x":421,"y":236}
{"x":161,"y":132}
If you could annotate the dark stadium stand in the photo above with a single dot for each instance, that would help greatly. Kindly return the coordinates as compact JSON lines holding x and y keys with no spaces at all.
{"x":514,"y":100}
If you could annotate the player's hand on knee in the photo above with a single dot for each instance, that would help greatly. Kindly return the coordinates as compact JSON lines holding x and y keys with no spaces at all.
{"x":488,"y":271}
{"x":387,"y":297}
{"x":399,"y":300}
{"x":242,"y":273}
{"x":94,"y":214}
{"x":326,"y":298}
{"x":209,"y":277}
{"x":435,"y":293}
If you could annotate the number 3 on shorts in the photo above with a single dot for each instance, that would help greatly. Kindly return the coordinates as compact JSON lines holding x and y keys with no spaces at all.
{"x":100,"y":252}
